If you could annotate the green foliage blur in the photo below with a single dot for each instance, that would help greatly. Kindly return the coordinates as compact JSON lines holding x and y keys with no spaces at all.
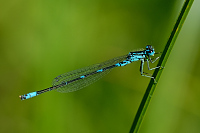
{"x":40,"y":40}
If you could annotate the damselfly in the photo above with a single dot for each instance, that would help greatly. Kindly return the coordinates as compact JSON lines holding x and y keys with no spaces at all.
{"x":83,"y":77}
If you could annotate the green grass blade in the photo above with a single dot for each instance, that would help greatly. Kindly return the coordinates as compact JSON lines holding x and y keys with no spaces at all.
{"x":168,"y":47}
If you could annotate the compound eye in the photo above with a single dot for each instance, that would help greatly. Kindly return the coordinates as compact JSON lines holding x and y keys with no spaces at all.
{"x":148,"y":47}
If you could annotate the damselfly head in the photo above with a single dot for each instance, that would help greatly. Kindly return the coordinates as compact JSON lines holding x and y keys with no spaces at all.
{"x":150,"y":50}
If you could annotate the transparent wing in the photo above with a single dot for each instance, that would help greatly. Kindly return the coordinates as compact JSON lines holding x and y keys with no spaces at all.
{"x":81,"y":83}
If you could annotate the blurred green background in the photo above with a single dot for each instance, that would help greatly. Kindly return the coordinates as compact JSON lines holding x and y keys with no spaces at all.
{"x":40,"y":40}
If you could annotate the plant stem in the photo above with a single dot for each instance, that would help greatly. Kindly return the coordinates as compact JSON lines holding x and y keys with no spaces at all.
{"x":157,"y":73}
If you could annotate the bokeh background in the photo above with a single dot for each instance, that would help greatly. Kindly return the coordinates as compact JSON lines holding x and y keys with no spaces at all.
{"x":42,"y":39}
